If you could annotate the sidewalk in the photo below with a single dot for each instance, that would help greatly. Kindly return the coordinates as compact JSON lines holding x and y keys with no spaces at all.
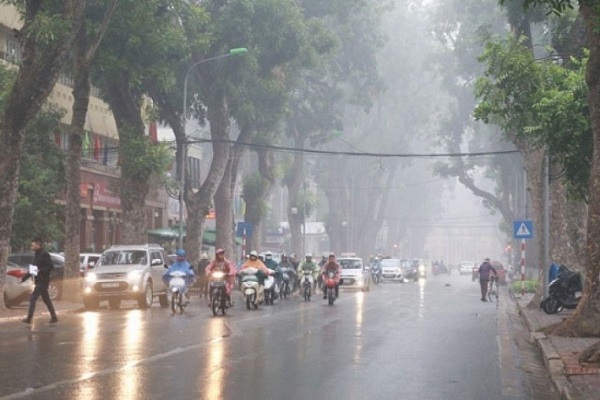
{"x":560,"y":353}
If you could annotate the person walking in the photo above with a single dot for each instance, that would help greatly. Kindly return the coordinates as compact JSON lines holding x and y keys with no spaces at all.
{"x":41,"y":276}
{"x":484,"y":276}
{"x":201,"y":274}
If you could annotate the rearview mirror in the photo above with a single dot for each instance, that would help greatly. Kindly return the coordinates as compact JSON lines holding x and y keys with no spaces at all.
{"x":156,"y":261}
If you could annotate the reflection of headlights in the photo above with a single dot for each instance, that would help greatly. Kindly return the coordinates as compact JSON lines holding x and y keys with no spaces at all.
{"x":134,"y":274}
{"x":90,"y":277}
{"x":421,"y":268}
{"x":218,"y":274}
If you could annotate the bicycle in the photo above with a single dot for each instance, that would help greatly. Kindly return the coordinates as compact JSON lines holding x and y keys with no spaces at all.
{"x":492,"y":288}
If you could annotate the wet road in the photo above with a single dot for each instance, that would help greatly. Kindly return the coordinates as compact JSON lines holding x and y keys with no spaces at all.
{"x":432,"y":339}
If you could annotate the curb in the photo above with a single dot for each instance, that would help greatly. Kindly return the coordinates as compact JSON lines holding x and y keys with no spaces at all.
{"x":554,"y":363}
{"x":46,"y":314}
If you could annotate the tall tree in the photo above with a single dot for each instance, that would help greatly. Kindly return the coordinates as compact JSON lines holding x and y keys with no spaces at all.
{"x":46,"y":36}
{"x":88,"y":39}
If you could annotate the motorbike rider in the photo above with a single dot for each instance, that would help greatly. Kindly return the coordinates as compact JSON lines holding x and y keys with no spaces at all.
{"x":254,"y":262}
{"x":332,"y":265}
{"x":272,"y":264}
{"x":220,"y":263}
{"x":202,"y":277}
{"x":309,"y":265}
{"x":285,"y":263}
{"x":181,"y":265}
{"x":484,"y":276}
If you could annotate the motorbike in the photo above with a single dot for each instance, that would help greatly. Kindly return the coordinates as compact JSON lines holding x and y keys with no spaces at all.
{"x":252,"y":290}
{"x":286,"y":284}
{"x":564,"y":292}
{"x":307,"y":283}
{"x":376,"y":275}
{"x":329,"y":283}
{"x":271,"y":290}
{"x":218,"y":294}
{"x":177,"y":289}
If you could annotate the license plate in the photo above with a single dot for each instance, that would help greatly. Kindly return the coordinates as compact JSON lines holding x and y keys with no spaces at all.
{"x":110,"y":285}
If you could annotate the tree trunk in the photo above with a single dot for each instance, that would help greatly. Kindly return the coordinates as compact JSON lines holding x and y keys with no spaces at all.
{"x":294,"y":184}
{"x":81,"y":98}
{"x":134,"y":182}
{"x":585,"y":321}
{"x":199,"y":204}
{"x":37,"y":75}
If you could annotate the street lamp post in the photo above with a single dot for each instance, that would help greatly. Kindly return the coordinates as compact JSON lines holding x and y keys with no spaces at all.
{"x":183,"y":157}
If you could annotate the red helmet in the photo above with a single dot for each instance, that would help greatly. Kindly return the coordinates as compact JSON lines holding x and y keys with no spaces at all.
{"x":220,"y":251}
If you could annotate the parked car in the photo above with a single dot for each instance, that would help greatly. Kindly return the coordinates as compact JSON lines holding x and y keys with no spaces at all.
{"x":128,"y":272}
{"x":354,"y":274}
{"x":391,"y":270}
{"x":466,"y":267}
{"x":56,"y":275}
{"x":87,"y":261}
{"x":410,"y":270}
{"x":16,"y":291}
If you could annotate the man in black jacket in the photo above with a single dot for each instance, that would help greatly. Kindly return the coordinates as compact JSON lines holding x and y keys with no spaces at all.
{"x":44,"y":265}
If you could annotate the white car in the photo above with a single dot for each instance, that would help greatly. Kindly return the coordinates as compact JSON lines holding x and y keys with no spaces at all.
{"x":16,"y":291}
{"x":391,"y":270}
{"x":354,"y":274}
{"x":466,"y":267}
{"x":87,"y":261}
{"x":127,"y":273}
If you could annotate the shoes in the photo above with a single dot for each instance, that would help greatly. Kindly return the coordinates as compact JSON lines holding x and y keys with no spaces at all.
{"x":324,"y":297}
{"x":25,"y":320}
{"x":483,"y":300}
{"x":53,"y":320}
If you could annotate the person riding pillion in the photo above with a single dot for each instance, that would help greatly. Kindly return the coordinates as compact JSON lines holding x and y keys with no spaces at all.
{"x":181,"y":265}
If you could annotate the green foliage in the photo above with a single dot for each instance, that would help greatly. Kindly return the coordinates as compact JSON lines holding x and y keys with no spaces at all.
{"x":539,"y":101}
{"x":41,"y":182}
{"x":252,"y":191}
{"x":530,"y":286}
{"x":144,"y":157}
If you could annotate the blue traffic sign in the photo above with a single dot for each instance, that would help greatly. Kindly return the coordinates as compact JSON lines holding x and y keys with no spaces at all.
{"x":523,"y":229}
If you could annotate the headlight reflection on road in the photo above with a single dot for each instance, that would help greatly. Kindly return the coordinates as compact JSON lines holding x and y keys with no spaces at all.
{"x":132,"y":343}
{"x":358,"y":345}
{"x":214,"y":375}
{"x":421,"y":297}
{"x":88,"y":352}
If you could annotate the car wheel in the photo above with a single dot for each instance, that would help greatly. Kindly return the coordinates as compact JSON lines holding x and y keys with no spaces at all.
{"x":55,"y":291}
{"x":91,"y":303}
{"x":145,"y":300}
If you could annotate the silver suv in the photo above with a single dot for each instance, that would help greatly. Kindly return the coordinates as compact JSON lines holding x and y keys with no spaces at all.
{"x":131,"y":272}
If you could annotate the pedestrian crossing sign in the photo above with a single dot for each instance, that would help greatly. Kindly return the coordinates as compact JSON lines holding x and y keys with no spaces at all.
{"x":523,"y":229}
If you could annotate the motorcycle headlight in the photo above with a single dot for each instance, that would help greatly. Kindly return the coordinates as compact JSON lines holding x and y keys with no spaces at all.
{"x":90,"y":277}
{"x":218,"y":274}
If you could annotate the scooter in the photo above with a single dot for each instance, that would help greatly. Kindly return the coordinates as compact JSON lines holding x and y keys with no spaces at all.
{"x":177,"y":289}
{"x":252,"y":290}
{"x":564,"y":292}
{"x":218,"y":294}
{"x":329,"y":283}
{"x":271,"y":290}
{"x":307,"y":283}
{"x":286,"y":284}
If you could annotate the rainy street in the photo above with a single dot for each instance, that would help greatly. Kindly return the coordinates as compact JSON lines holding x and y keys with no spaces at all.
{"x":432,"y":339}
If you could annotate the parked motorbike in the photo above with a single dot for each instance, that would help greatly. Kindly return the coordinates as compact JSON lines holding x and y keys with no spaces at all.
{"x":329,"y":283}
{"x":271,"y":290}
{"x":307,"y":283}
{"x":177,"y":289}
{"x":218,"y":294}
{"x":252,"y":290}
{"x":564,"y":292}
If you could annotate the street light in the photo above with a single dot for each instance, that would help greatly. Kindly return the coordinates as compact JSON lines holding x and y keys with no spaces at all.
{"x":182,"y":159}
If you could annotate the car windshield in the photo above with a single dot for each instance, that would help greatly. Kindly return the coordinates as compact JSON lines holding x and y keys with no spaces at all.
{"x":350,"y":264}
{"x":407,"y":264}
{"x":390,"y":262}
{"x":124,"y":257}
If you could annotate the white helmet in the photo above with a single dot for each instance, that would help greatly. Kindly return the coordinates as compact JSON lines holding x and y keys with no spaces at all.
{"x":268,"y":254}
{"x":204,"y":256}
{"x":254,"y":253}
{"x":308,"y":255}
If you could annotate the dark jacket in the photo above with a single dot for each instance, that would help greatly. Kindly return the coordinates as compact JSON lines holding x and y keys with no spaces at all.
{"x":43,"y":261}
{"x":484,"y":271}
{"x":202,"y":267}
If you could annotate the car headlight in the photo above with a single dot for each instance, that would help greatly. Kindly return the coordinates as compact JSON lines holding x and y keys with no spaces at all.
{"x":90,"y":277}
{"x":134,"y":274}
